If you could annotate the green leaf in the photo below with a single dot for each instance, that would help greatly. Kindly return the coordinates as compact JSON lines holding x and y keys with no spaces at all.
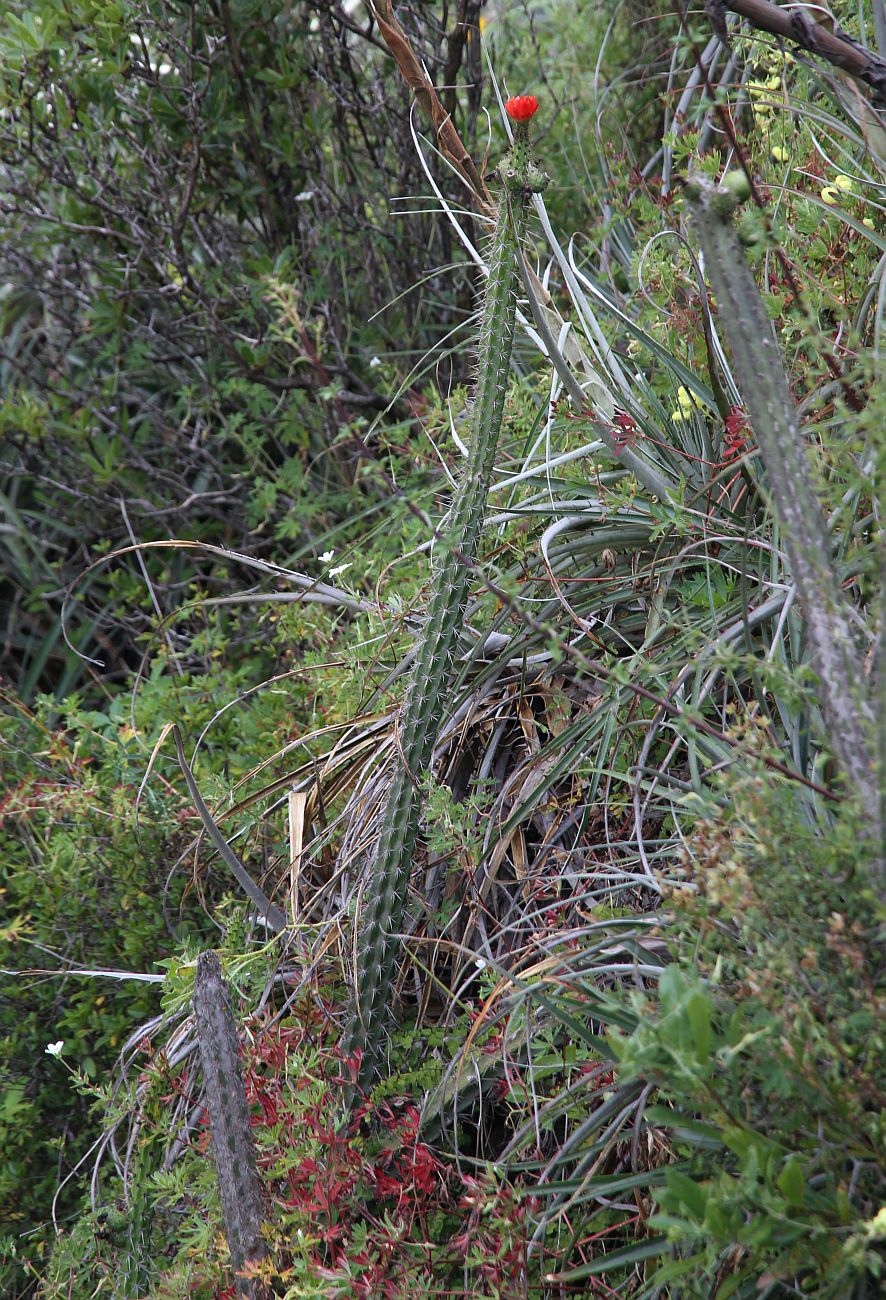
{"x":792,"y":1181}
{"x":715,"y":1220}
{"x":731,"y":1285}
{"x":686,"y":1192}
{"x":698,"y":1008}
{"x":617,"y":1259}
{"x":691,"y":1131}
{"x":677,"y":1268}
{"x":606,"y":1186}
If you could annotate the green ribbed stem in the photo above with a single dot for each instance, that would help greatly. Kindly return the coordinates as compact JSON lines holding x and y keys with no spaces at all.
{"x":383,"y":905}
{"x":759,"y":370}
{"x":135,"y":1264}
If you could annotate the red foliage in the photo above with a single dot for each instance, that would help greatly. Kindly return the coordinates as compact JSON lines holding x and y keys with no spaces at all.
{"x":342,"y":1175}
{"x":377,"y":1214}
{"x":738,"y":434}
{"x":628,"y":432}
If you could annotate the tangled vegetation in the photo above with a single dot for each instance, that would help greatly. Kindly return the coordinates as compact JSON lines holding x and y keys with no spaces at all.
{"x":610,"y":1019}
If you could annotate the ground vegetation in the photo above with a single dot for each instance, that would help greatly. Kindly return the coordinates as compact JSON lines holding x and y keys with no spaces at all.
{"x":630,"y":1037}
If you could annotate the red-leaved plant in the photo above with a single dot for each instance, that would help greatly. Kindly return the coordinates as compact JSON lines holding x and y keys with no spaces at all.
{"x":360,"y":1205}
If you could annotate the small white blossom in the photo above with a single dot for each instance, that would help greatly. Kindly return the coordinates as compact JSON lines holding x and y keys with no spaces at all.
{"x":54,"y":1049}
{"x":326,"y":557}
{"x":374,"y":362}
{"x":339,"y":568}
{"x":480,"y":964}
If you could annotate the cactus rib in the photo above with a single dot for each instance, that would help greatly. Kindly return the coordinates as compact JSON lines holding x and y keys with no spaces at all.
{"x":383,"y":906}
{"x":229,"y":1121}
{"x":761,"y":378}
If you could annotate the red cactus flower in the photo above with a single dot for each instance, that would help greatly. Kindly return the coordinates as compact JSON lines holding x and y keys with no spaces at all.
{"x":522,"y":107}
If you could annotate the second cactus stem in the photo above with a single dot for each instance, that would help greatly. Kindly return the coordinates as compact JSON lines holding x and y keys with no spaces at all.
{"x":382,"y":907}
{"x":229,"y":1120}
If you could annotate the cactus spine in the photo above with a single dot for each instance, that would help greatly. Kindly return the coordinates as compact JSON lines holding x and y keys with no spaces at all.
{"x":229,"y":1120}
{"x":383,"y":905}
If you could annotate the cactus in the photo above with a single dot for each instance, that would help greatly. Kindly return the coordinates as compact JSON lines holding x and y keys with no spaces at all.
{"x":136,"y":1256}
{"x":760,"y":374}
{"x":229,"y":1120}
{"x":383,"y":905}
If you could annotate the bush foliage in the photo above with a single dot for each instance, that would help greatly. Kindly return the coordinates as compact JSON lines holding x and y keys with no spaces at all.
{"x":639,"y":1044}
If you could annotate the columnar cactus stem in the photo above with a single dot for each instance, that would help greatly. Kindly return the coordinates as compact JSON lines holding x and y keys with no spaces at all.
{"x":136,"y":1264}
{"x":229,"y":1120}
{"x":759,"y":370}
{"x":383,"y":905}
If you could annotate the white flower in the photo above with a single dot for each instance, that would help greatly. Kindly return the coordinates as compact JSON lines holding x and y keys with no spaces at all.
{"x":339,"y":568}
{"x":480,"y":963}
{"x":875,"y":1228}
{"x":374,"y":362}
{"x":326,"y":557}
{"x":54,"y":1049}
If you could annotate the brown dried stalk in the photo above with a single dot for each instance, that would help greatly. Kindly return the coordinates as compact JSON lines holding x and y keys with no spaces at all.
{"x":415,"y":75}
{"x":800,"y":26}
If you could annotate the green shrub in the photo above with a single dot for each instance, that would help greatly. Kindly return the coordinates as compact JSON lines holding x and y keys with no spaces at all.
{"x":87,"y":884}
{"x":195,"y":254}
{"x":766,"y":1043}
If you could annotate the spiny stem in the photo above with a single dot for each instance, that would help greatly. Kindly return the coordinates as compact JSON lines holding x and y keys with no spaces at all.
{"x":226,"y":1102}
{"x":759,"y":370}
{"x":383,"y":905}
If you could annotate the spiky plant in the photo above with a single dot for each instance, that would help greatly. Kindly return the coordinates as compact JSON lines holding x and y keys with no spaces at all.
{"x":229,"y":1120}
{"x":136,"y":1258}
{"x":759,"y":370}
{"x":383,"y":904}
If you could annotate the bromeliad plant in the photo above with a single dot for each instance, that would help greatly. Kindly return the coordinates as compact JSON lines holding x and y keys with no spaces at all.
{"x":382,"y":907}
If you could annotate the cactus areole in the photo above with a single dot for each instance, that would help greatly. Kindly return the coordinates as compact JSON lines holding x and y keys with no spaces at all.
{"x":382,"y":905}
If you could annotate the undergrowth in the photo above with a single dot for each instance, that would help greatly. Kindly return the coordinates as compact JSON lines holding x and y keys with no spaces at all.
{"x":639,"y":998}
